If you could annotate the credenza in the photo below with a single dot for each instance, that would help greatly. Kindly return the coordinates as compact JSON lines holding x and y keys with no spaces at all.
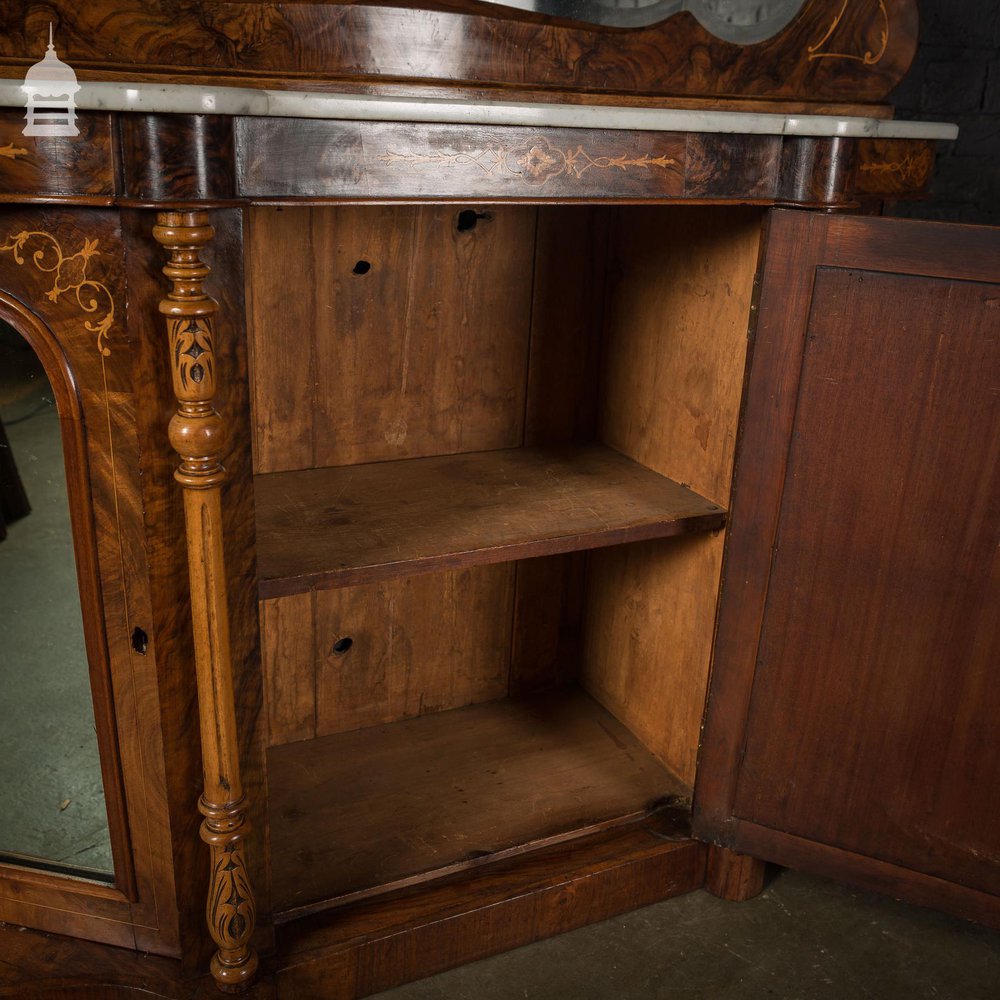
{"x":517,"y":474}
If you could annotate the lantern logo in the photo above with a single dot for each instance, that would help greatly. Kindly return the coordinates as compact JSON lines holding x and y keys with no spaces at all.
{"x":50,"y":85}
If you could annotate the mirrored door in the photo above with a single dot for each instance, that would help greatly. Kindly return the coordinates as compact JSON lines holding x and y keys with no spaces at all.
{"x":52,"y":805}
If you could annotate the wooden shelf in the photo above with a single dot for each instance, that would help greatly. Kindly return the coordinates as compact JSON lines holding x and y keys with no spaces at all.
{"x":390,"y":805}
{"x":380,"y":943}
{"x":331,"y":527}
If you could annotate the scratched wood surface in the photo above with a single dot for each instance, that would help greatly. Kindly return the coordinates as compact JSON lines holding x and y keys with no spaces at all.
{"x":323,"y":528}
{"x":446,"y":789}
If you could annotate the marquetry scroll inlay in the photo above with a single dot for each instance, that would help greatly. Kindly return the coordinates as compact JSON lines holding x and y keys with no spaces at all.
{"x":912,"y":168}
{"x":197,"y":433}
{"x":869,"y":58}
{"x":12,"y":152}
{"x":536,"y":160}
{"x":70,"y":277}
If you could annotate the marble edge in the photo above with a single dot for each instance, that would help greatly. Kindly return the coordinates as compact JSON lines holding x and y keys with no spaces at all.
{"x":188,"y":99}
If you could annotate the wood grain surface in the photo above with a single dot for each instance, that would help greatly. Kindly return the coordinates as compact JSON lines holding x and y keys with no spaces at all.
{"x":325,"y":160}
{"x":163,"y":520}
{"x":41,"y":166}
{"x":355,"y":951}
{"x":857,"y":689}
{"x":734,"y":877}
{"x":882,"y":609}
{"x":679,"y":307}
{"x":340,"y":660}
{"x":832,"y":51}
{"x":361,"y":811}
{"x":174,"y":157}
{"x":412,"y":339}
{"x":413,"y":933}
{"x":65,"y":292}
{"x":332,"y":527}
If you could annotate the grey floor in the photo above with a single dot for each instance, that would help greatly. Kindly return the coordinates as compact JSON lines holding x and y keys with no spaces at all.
{"x":803,"y":938}
{"x":51,"y":793}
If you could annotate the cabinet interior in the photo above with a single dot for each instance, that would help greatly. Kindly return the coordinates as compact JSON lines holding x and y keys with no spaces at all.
{"x":492,"y":453}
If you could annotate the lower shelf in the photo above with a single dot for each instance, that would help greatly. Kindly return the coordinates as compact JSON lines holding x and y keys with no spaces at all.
{"x":366,"y":811}
{"x":365,"y":948}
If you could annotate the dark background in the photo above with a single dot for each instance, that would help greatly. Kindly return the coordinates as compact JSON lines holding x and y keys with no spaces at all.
{"x":956,"y":78}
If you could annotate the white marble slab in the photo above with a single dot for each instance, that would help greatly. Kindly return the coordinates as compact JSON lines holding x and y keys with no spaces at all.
{"x":187,"y":99}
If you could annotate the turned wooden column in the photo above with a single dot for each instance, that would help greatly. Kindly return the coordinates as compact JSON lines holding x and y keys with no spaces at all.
{"x":197,"y":433}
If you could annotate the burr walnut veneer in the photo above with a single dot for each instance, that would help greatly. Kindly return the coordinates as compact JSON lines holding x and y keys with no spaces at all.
{"x":427,"y":458}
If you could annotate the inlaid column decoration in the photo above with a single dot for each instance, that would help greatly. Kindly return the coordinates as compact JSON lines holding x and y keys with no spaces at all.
{"x":197,"y":433}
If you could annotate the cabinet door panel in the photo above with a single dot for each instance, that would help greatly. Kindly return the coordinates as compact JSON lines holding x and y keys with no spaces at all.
{"x":854,"y":700}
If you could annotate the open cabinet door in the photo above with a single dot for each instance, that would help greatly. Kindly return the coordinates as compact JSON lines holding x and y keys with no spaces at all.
{"x":853,"y":726}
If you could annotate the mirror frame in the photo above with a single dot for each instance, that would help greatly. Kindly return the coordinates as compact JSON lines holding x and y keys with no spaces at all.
{"x":83,"y":524}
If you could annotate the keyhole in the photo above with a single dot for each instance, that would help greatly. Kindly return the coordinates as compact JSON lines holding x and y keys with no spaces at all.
{"x":140,"y":641}
{"x":468,"y":219}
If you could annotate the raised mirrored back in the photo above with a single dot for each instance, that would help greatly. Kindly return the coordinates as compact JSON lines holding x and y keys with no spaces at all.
{"x":742,"y":22}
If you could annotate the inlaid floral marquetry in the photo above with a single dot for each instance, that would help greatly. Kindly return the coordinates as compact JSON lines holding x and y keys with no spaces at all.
{"x":869,"y":58}
{"x":536,"y":160}
{"x":70,"y":278}
{"x":912,"y":167}
{"x":890,"y":169}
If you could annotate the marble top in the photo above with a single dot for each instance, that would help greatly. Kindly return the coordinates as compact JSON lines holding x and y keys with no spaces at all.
{"x":188,"y":99}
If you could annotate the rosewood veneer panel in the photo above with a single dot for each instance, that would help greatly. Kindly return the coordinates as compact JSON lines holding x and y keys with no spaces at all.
{"x":832,"y":51}
{"x":850,"y":721}
{"x":57,"y":166}
{"x":874,"y":697}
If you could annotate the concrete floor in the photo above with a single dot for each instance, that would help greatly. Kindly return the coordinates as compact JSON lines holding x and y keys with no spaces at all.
{"x":51,"y":791}
{"x":803,"y":938}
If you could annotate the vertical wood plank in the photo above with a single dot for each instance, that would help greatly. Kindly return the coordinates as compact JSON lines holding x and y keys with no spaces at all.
{"x":673,"y":371}
{"x":412,"y":340}
{"x":287,"y":633}
{"x":418,"y":645}
{"x":676,"y":343}
{"x":548,"y":613}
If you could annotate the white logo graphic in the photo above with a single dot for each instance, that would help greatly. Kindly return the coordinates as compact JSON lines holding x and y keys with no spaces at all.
{"x":50,"y":86}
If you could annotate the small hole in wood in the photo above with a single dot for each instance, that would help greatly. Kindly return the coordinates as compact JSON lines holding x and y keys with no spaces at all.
{"x":341,"y":646}
{"x":362,"y":267}
{"x":468,"y":219}
{"x":140,"y":641}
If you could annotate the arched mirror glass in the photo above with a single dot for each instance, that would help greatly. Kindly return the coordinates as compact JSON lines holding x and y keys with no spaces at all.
{"x":743,"y":22}
{"x":52,"y":809}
